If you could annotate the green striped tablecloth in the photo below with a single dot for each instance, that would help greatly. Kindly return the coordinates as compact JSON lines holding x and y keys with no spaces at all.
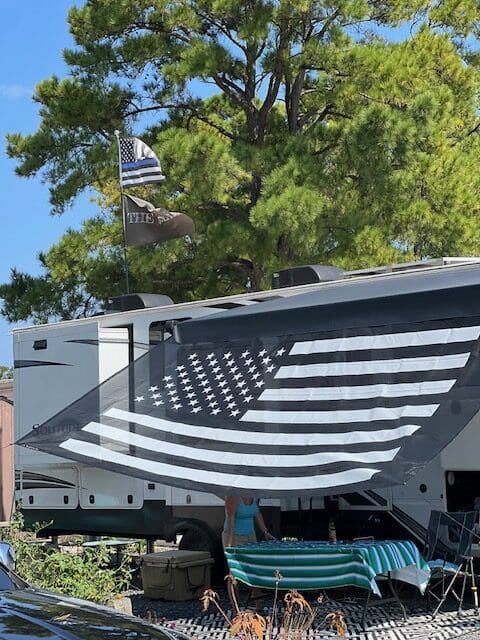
{"x":324,"y":565}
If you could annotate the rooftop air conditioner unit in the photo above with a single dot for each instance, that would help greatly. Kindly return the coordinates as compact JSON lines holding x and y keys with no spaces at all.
{"x":308,"y":274}
{"x":133,"y":301}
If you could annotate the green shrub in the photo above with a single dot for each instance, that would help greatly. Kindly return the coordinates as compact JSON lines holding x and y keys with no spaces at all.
{"x":84,"y":575}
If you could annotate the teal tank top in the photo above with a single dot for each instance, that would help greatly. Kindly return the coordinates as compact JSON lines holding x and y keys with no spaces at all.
{"x":244,"y":523}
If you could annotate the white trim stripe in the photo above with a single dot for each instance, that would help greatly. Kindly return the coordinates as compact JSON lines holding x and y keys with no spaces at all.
{"x":358,"y":393}
{"x":387,"y":341}
{"x":259,"y":437}
{"x":245,"y":459}
{"x":367,"y":367}
{"x":261,"y":483}
{"x":336,"y":417}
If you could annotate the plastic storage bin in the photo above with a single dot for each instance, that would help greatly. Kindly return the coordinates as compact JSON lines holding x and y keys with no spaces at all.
{"x":176,"y":575}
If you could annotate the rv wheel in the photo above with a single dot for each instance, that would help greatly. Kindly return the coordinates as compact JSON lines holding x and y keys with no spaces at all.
{"x":199,"y":537}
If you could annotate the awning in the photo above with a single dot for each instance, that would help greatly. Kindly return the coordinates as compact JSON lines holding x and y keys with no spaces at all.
{"x":340,"y":390}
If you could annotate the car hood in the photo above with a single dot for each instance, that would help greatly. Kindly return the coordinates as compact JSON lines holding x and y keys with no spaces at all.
{"x":29,"y":614}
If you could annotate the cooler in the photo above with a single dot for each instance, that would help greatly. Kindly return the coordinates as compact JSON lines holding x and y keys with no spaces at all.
{"x":176,"y":575}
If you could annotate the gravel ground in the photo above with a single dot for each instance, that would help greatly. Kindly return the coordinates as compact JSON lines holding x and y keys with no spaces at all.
{"x":172,"y":611}
{"x":471,"y":635}
{"x":383,"y":622}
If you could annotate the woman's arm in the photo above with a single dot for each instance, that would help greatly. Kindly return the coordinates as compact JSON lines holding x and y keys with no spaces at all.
{"x":261,"y":523}
{"x":231,"y":503}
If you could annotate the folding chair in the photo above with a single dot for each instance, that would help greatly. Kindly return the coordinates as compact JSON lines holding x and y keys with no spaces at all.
{"x":447,"y":551}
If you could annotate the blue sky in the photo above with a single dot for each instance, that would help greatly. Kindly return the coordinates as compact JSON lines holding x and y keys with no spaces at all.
{"x":34,"y":34}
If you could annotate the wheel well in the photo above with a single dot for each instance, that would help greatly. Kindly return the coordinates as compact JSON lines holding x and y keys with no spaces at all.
{"x":198,"y":536}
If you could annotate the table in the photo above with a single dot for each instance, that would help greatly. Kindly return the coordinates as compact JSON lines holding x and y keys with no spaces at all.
{"x":116,"y":543}
{"x":307,"y":565}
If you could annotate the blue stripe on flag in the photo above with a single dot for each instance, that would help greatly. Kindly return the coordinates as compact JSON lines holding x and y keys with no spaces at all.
{"x":139,"y":164}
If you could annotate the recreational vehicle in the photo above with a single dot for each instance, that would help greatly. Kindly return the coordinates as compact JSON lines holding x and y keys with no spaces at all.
{"x":56,"y":364}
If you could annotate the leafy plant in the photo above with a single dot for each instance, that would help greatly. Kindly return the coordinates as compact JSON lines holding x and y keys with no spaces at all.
{"x":6,"y":373}
{"x":295,"y":622}
{"x":84,"y":575}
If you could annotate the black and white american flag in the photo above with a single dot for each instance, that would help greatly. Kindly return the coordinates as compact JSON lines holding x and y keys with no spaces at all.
{"x":307,"y":415}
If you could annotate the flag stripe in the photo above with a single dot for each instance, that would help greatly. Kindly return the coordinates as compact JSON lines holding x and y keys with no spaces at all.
{"x":141,"y":181}
{"x":141,"y":177}
{"x":358,"y":393}
{"x":397,"y":365}
{"x":140,"y":164}
{"x":244,"y":468}
{"x":141,"y":171}
{"x":260,"y":437}
{"x":408,"y":377}
{"x":387,"y":341}
{"x":266,"y":483}
{"x":422,"y":351}
{"x":335,"y":417}
{"x":231,"y":458}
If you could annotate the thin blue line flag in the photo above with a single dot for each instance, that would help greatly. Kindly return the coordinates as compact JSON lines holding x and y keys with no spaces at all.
{"x":139,"y":164}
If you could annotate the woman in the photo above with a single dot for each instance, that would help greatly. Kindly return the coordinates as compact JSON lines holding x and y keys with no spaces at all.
{"x":241,"y":513}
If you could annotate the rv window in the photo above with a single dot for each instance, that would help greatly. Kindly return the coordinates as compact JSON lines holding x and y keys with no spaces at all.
{"x":462,"y":488}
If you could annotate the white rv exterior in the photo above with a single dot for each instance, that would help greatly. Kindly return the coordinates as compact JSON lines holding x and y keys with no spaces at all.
{"x":56,"y":364}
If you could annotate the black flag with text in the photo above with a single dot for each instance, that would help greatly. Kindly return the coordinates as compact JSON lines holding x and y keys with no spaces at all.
{"x":146,"y":224}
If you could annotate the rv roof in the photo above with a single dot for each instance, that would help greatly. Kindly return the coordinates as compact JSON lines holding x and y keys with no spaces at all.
{"x":399,"y":295}
{"x":407,"y":266}
{"x":243,"y":299}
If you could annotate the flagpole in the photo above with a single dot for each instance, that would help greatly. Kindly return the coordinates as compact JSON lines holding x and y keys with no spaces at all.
{"x":125,"y":262}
